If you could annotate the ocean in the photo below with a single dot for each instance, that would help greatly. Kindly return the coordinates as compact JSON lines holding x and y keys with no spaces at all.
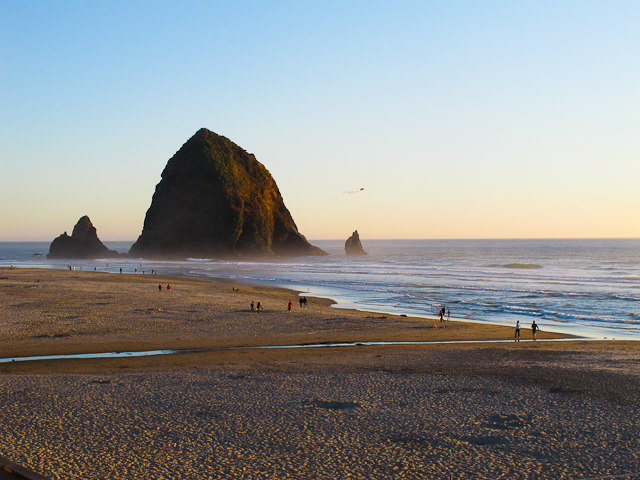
{"x":582,"y":287}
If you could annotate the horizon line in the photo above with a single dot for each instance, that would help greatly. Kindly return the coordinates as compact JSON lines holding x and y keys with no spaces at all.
{"x":394,"y":239}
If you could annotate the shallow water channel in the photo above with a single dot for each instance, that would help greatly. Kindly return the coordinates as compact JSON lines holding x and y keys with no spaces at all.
{"x":149,"y":353}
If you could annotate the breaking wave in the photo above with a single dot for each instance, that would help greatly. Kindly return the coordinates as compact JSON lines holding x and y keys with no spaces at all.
{"x":524,"y":266}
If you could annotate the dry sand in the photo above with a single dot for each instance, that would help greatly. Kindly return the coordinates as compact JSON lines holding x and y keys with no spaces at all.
{"x":514,"y":410}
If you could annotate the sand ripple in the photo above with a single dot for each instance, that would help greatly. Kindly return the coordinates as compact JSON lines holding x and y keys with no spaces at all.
{"x":219,"y":424}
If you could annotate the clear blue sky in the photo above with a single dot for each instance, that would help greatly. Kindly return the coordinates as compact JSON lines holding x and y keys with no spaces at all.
{"x":459,"y":119}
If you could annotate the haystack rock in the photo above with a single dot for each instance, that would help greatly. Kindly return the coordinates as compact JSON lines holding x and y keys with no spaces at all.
{"x":216,"y":200}
{"x":83,"y":243}
{"x":353,"y":246}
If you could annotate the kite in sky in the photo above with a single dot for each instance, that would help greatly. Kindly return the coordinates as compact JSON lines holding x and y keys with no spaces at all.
{"x":354,"y":191}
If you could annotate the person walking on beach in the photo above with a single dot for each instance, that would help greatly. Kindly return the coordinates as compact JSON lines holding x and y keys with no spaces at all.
{"x":169,"y":288}
{"x":534,"y":329}
{"x":300,"y":300}
{"x":517,"y":334}
{"x":290,"y":305}
{"x":259,"y":306}
{"x":159,"y":288}
{"x":441,"y":314}
{"x":448,"y":314}
{"x":253,"y":307}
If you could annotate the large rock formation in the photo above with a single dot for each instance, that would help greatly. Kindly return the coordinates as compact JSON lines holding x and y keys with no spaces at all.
{"x":353,"y":246}
{"x":217,"y":200}
{"x":83,"y":243}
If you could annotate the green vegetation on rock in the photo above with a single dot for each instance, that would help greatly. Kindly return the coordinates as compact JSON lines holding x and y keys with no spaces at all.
{"x":217,"y":200}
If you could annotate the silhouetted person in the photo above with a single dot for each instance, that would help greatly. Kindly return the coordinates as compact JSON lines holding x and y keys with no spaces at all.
{"x":159,"y":288}
{"x":534,"y":329}
{"x":517,"y":334}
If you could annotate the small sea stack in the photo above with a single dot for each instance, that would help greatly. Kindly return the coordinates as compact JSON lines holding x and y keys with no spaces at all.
{"x":83,"y":243}
{"x":215,"y":200}
{"x":353,"y":246}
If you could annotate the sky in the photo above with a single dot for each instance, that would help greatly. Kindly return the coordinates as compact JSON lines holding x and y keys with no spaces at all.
{"x":460,"y":119}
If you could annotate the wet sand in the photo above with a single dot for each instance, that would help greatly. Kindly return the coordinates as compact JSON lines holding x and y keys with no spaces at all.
{"x":512,"y":410}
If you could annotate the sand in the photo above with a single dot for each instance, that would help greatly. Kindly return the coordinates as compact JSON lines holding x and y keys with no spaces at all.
{"x":501,"y":410}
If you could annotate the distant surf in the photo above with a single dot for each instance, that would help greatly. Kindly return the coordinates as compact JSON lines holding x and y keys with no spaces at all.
{"x":519,"y":265}
{"x":580,"y":287}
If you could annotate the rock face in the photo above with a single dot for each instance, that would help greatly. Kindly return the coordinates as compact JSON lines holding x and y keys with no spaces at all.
{"x":353,"y":246}
{"x":217,"y":200}
{"x":83,"y":243}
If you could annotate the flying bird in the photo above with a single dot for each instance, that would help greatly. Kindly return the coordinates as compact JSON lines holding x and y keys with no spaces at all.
{"x":354,"y":191}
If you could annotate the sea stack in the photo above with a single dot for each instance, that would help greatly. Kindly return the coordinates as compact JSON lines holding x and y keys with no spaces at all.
{"x":353,"y":246}
{"x":83,"y":243}
{"x":215,"y":200}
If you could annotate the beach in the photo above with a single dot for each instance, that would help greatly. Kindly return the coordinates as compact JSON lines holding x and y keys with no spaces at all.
{"x":561,"y":409}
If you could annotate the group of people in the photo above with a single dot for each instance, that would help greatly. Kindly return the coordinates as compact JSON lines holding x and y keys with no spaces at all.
{"x":153,"y":272}
{"x":442,"y":313}
{"x":534,"y":326}
{"x":255,"y":307}
{"x":534,"y":329}
{"x":302,"y":300}
{"x":95,"y":269}
{"x":168,"y":288}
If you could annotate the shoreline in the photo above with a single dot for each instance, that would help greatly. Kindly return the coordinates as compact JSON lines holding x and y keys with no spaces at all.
{"x":477,"y":292}
{"x":324,"y":300}
{"x":147,"y":317}
{"x":63,"y":312}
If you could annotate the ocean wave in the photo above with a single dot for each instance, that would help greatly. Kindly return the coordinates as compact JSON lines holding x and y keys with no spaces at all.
{"x":520,"y":265}
{"x":623,"y":297}
{"x":522,"y":310}
{"x":523,"y":292}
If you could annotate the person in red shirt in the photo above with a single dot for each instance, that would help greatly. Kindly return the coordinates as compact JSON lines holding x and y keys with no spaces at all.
{"x":290,"y":305}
